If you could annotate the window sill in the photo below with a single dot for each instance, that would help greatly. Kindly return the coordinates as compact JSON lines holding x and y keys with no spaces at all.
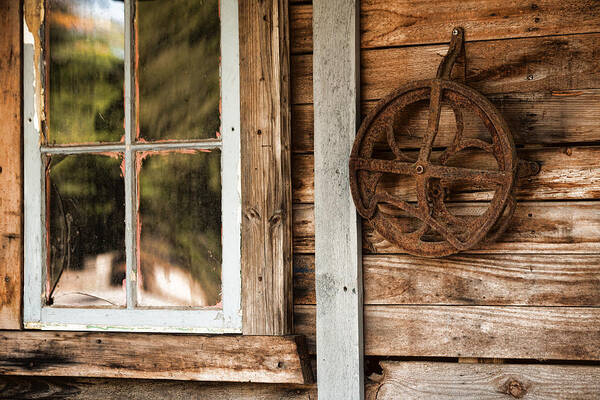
{"x":236,"y":358}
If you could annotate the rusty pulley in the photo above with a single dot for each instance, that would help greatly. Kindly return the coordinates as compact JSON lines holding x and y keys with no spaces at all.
{"x":424,"y":224}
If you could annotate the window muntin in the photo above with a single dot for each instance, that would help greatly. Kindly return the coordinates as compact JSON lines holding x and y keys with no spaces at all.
{"x":182,"y":150}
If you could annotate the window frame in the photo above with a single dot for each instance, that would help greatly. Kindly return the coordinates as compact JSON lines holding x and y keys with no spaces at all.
{"x":266,"y":233}
{"x":193,"y":320}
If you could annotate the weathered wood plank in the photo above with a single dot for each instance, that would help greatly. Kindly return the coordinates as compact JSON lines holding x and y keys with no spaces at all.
{"x":536,"y":227}
{"x":303,"y":225}
{"x":549,"y":227}
{"x":266,"y":359}
{"x":562,"y":333}
{"x":566,"y":173}
{"x":266,"y":181}
{"x":11,"y":180}
{"x":301,"y":40}
{"x":527,"y":65}
{"x":387,"y":23}
{"x":301,"y":78}
{"x":486,"y":279}
{"x":25,"y":388}
{"x":499,"y":66}
{"x":420,"y":380}
{"x":399,"y":23}
{"x":534,"y":118}
{"x":337,"y":268}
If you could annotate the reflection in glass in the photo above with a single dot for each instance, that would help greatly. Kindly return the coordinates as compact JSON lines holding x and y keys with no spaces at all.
{"x":179,"y":50}
{"x":86,"y":213}
{"x":180,"y":220}
{"x":86,"y":72}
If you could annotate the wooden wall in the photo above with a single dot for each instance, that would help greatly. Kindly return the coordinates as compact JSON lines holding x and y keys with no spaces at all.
{"x":11,"y":180}
{"x":531,"y":295}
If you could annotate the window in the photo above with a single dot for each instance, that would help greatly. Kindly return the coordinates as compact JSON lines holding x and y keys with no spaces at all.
{"x":132,"y":181}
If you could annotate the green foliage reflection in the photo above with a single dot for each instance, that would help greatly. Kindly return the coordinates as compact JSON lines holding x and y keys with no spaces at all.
{"x":86,"y":71}
{"x":178,"y":74}
{"x":180,"y":212}
{"x":178,"y":48}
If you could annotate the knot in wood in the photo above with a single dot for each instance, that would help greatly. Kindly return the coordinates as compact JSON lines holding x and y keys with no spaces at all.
{"x":515,"y":388}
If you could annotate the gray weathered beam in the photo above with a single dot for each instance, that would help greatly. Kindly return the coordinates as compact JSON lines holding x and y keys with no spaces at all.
{"x":337,"y":230}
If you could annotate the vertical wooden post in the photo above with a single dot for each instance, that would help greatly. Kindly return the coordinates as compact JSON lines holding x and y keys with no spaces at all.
{"x":338,"y":269}
{"x":11,"y":181}
{"x":266,"y":175}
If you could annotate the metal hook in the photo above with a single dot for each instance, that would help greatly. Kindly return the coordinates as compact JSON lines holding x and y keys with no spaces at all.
{"x":456,"y":50}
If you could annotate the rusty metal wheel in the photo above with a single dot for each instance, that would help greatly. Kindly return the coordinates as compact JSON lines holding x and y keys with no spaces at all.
{"x":439,"y":232}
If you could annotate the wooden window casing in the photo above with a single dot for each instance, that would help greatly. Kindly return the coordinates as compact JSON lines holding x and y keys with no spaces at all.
{"x":265,"y":224}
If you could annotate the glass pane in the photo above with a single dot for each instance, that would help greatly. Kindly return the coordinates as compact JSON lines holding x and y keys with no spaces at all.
{"x":178,"y":49}
{"x":180,"y":222}
{"x":85,"y":55}
{"x":86,"y":222}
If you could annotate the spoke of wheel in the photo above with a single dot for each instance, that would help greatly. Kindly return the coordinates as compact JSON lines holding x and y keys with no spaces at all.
{"x":477,"y":144}
{"x":458,"y":137}
{"x":473,"y":175}
{"x":435,"y":107}
{"x":425,"y":218}
{"x":391,"y":138}
{"x":388,"y":166}
{"x":460,"y":124}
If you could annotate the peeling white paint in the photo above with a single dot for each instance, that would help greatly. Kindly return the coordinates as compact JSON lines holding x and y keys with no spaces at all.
{"x":33,"y":185}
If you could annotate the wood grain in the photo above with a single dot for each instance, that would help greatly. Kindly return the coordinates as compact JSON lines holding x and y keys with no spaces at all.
{"x":399,"y":23}
{"x":562,"y":333}
{"x":426,"y":380}
{"x":566,"y":173}
{"x":482,"y":279}
{"x":301,"y":31}
{"x":267,"y":359}
{"x":536,"y":227}
{"x":11,"y":181}
{"x":387,"y":23}
{"x":25,"y":388}
{"x":266,"y":178}
{"x":337,"y":268}
{"x":534,"y":118}
{"x":526,"y":65}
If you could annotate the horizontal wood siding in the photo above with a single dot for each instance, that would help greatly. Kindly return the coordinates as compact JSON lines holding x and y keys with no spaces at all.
{"x":264,"y":359}
{"x":545,"y":80}
{"x":27,"y":387}
{"x":528,"y":65}
{"x":537,"y":227}
{"x":421,"y":380}
{"x":561,"y":333}
{"x":469,"y":279}
{"x":545,"y":117}
{"x":566,"y":173}
{"x":387,"y":23}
